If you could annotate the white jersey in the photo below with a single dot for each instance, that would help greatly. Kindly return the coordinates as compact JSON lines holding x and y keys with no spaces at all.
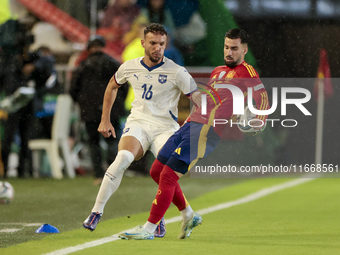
{"x":157,"y":89}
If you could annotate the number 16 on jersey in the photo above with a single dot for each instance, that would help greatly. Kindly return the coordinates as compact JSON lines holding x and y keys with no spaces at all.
{"x":147,"y":93}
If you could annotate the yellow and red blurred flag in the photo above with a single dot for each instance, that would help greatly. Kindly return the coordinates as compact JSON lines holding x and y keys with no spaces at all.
{"x":323,"y":76}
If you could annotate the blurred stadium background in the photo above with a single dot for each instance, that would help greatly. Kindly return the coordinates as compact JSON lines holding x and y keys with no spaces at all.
{"x":286,"y":39}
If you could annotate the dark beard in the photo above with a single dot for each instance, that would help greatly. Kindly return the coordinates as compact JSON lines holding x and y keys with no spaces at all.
{"x":152,"y":58}
{"x":231,"y":65}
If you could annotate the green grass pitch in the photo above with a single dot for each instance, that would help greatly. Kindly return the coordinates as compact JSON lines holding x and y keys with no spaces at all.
{"x":300,"y":220}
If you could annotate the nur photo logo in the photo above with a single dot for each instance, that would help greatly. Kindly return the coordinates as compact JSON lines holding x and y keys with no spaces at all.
{"x":239,"y":102}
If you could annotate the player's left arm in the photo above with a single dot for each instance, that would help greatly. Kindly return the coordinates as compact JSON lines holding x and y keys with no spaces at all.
{"x":196,"y":98}
{"x":188,"y":86}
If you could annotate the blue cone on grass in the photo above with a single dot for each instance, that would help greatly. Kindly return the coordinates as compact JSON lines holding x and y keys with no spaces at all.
{"x":47,"y":228}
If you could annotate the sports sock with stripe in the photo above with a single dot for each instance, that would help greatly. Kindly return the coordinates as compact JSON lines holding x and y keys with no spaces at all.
{"x":165,"y":193}
{"x":179,"y":199}
{"x":112,"y":179}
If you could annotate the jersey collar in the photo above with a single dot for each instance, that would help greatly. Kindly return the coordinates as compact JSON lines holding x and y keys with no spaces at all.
{"x":151,"y":68}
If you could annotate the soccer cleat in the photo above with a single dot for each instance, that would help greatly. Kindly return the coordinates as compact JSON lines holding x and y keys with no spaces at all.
{"x":189,"y":225}
{"x":91,"y":222}
{"x":138,"y":233}
{"x":160,"y":230}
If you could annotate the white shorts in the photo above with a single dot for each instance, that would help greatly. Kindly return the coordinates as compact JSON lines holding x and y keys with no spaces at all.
{"x":151,"y":137}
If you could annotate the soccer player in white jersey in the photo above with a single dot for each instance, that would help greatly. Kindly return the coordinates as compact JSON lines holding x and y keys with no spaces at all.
{"x":157,"y":83}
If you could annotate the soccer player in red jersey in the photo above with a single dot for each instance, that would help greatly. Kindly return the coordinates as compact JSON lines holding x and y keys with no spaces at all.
{"x":198,"y":137}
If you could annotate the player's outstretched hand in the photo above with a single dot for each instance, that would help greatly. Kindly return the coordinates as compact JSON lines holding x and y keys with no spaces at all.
{"x":106,"y":129}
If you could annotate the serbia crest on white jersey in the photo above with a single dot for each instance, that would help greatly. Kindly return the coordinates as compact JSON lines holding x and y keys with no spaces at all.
{"x":157,"y":89}
{"x":162,"y":78}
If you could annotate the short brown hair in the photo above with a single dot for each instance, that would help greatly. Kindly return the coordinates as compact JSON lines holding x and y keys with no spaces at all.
{"x":155,"y":28}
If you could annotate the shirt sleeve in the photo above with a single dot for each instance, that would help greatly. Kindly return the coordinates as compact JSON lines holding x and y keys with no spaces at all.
{"x":185,"y":82}
{"x":260,"y":96}
{"x":120,"y":76}
{"x":259,"y":92}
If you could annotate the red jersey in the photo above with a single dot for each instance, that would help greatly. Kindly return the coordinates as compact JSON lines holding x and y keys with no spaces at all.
{"x":243,"y":76}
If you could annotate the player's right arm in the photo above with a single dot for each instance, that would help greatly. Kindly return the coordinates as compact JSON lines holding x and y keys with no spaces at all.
{"x":105,"y":126}
{"x":118,"y":79}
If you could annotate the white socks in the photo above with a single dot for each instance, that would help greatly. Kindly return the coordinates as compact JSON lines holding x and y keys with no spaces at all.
{"x":187,"y":213}
{"x":150,"y":227}
{"x":112,"y":179}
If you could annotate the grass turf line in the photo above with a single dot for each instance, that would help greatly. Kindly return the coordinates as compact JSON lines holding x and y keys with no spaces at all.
{"x":66,"y":203}
{"x":300,"y":220}
{"x":107,"y":228}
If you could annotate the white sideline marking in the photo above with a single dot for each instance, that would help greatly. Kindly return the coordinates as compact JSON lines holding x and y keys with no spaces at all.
{"x":23,"y":224}
{"x":251,"y":197}
{"x":9,"y":230}
{"x":32,"y":224}
{"x":12,"y":230}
